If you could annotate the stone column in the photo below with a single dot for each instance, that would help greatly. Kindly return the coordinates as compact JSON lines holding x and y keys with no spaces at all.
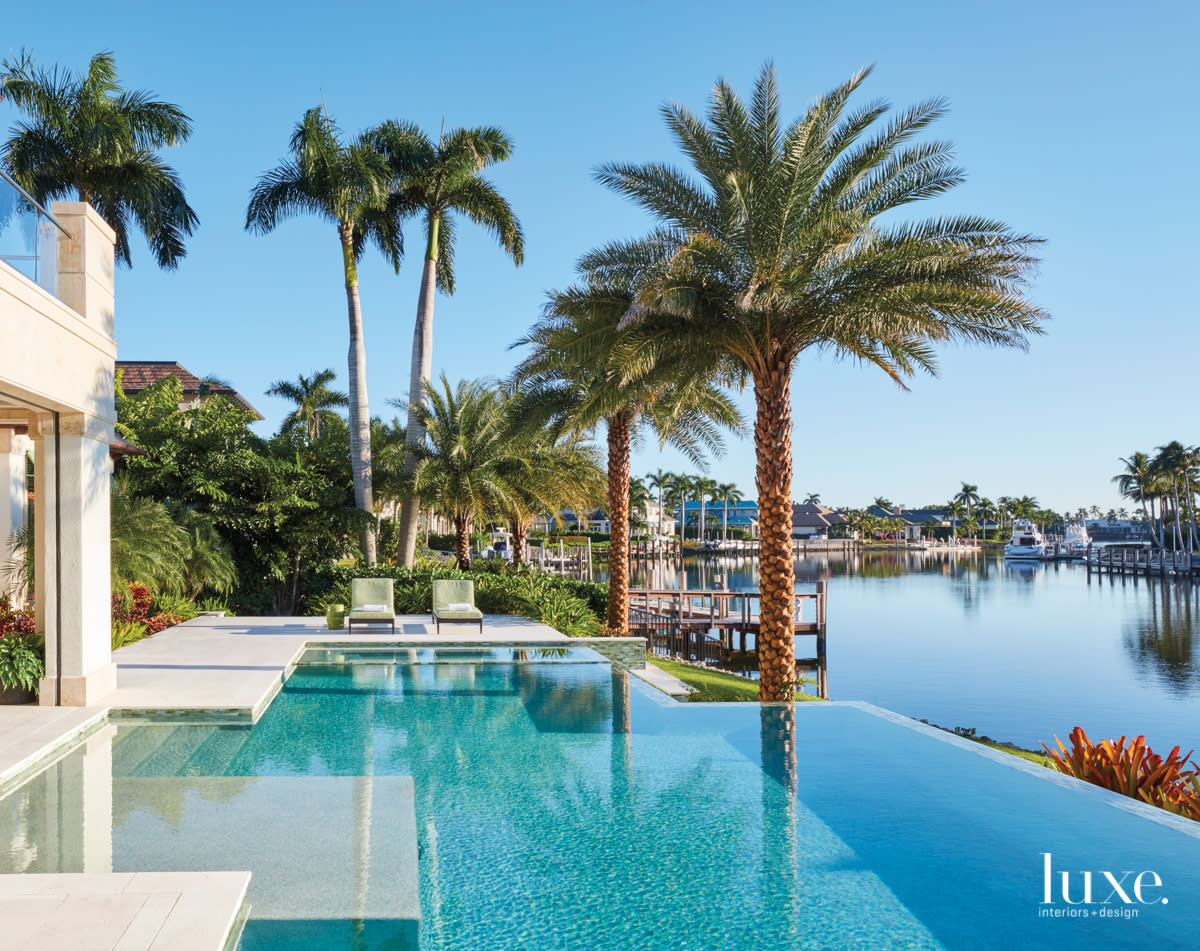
{"x":85,"y":264}
{"x":73,"y":485}
{"x":14,"y":496}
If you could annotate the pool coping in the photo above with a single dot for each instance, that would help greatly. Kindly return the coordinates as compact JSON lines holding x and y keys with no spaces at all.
{"x":1178,"y":823}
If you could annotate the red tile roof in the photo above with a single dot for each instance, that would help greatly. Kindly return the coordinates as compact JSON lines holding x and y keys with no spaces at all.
{"x":137,"y":375}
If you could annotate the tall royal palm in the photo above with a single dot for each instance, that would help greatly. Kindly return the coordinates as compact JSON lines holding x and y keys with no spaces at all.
{"x":705,"y":488}
{"x":577,"y":374}
{"x":440,"y":182}
{"x":968,"y":495}
{"x":347,"y":184}
{"x":728,"y":493}
{"x":660,"y":482}
{"x":314,"y":400}
{"x":785,"y":240}
{"x":87,"y":137}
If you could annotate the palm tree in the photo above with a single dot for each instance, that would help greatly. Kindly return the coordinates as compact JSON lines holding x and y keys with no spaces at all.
{"x":1004,"y":504}
{"x":704,"y":489}
{"x":776,"y":247}
{"x":440,"y":182}
{"x":986,"y":510}
{"x":813,"y":498}
{"x":468,"y":464}
{"x":345,"y":184}
{"x":955,"y":511}
{"x":558,"y":472}
{"x":659,"y":481}
{"x":1135,"y":482}
{"x":577,"y":374}
{"x":681,"y":490}
{"x":1172,"y":462}
{"x":314,"y":401}
{"x":639,"y":495}
{"x":88,"y":137}
{"x":727,"y":492}
{"x":968,"y":495}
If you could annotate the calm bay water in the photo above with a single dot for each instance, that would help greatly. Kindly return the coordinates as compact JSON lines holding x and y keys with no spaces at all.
{"x":1019,"y":652}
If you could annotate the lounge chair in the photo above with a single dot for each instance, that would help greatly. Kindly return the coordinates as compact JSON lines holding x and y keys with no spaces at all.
{"x":454,"y":600}
{"x":371,"y":602}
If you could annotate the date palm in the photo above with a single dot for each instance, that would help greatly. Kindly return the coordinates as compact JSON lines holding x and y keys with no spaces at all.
{"x":467,"y":464}
{"x":783,"y":241}
{"x":346,"y":184}
{"x":576,"y":375}
{"x":440,"y":182}
{"x":557,"y":471}
{"x":314,"y":402}
{"x":85,"y":136}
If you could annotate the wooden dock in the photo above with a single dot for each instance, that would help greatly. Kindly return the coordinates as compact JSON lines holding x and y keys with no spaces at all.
{"x":1150,"y":562}
{"x":717,"y":626}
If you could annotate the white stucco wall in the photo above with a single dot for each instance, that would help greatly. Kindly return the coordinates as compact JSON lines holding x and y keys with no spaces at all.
{"x":56,"y":357}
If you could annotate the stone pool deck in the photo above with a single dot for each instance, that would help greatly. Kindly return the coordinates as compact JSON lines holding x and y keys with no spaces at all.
{"x":232,"y":667}
{"x":135,"y":911}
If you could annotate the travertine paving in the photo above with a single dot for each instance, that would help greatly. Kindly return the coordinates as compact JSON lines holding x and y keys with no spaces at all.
{"x":142,"y":911}
{"x":31,"y":734}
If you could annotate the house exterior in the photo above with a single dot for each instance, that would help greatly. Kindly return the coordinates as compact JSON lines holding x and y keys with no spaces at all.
{"x":57,"y":407}
{"x":810,"y":520}
{"x":740,"y":515}
{"x":137,"y":375}
{"x":1118,"y":530}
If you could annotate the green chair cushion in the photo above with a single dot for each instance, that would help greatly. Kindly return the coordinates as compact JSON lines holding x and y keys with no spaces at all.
{"x":473,"y":615}
{"x":371,"y":591}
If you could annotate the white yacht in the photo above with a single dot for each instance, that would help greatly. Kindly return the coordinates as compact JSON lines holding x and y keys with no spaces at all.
{"x":499,"y":545}
{"x":1026,"y":542}
{"x":1076,"y":540}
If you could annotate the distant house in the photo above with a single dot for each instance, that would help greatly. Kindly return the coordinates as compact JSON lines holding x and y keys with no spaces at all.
{"x":814,"y":521}
{"x":922,"y":521}
{"x":740,"y":515}
{"x":1117,"y":530}
{"x":137,"y":375}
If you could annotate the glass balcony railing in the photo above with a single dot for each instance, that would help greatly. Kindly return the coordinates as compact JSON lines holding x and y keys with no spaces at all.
{"x":28,"y":235}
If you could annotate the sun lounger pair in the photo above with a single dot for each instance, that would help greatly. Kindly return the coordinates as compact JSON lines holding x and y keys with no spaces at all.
{"x":372,"y":601}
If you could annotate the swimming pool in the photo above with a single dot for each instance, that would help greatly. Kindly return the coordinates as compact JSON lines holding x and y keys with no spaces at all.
{"x":504,"y":799}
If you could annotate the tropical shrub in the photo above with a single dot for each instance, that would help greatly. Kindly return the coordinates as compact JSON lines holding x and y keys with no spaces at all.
{"x":127,"y":632}
{"x":1133,"y":770}
{"x":15,"y":620}
{"x":22,"y":662}
{"x":139,"y":605}
{"x":573,"y":607}
{"x":22,"y":658}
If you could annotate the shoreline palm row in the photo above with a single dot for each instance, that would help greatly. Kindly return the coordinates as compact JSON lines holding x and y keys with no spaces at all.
{"x":780,"y":239}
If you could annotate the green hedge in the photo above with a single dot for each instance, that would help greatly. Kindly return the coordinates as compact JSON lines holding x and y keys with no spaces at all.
{"x":576,"y":608}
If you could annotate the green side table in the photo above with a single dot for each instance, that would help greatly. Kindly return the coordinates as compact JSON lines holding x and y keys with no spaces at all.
{"x":335,"y":616}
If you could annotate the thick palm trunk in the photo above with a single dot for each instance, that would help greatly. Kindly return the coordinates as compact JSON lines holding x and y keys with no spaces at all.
{"x":419,"y":374}
{"x":773,"y":478}
{"x":520,"y":534}
{"x":462,"y":542}
{"x":618,"y":514}
{"x":1149,"y":517}
{"x":360,"y":415}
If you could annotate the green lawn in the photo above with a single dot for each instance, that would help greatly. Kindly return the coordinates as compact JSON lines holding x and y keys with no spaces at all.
{"x":713,"y":685}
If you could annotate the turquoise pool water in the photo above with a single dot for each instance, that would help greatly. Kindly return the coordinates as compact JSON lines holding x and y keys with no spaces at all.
{"x":566,"y":805}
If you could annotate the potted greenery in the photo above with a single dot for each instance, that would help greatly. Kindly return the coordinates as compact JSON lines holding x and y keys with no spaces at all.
{"x":21,"y":654}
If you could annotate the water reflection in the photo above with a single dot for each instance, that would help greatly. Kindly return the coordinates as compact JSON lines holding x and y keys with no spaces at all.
{"x":1023,"y":651}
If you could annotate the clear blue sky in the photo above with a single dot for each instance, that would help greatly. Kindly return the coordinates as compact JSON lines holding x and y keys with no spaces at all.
{"x":1070,"y":119}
